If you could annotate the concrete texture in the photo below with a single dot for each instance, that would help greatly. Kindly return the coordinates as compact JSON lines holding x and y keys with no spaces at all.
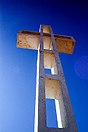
{"x":30,"y":40}
{"x":51,"y":86}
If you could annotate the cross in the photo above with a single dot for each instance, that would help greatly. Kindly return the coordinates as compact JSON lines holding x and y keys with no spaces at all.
{"x":52,"y":86}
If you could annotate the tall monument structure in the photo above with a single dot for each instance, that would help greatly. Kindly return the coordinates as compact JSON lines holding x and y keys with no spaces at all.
{"x":52,"y":86}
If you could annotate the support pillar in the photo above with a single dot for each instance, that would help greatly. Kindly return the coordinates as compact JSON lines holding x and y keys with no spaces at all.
{"x":52,"y":86}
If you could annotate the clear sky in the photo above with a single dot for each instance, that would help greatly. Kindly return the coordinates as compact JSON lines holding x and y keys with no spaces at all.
{"x":18,"y":66}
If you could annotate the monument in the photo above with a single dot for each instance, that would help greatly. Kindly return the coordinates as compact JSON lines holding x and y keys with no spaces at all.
{"x":52,"y":86}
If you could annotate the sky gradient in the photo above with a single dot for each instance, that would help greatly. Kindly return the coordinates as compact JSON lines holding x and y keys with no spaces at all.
{"x":18,"y":66}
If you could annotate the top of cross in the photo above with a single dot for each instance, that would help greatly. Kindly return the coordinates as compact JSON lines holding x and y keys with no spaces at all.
{"x":30,"y":40}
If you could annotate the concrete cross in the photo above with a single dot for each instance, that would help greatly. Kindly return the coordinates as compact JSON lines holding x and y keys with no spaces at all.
{"x":52,"y":86}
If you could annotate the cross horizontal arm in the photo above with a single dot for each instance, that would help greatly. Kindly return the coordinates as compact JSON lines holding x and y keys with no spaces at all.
{"x":30,"y":40}
{"x":47,"y":35}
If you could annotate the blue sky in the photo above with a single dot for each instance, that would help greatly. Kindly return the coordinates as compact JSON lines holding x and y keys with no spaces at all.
{"x":18,"y":66}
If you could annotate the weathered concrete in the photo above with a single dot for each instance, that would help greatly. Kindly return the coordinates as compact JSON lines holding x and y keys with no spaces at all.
{"x":50,"y":86}
{"x":31,"y":40}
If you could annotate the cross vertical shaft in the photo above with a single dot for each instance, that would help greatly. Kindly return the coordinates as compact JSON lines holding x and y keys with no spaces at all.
{"x":63,"y":106}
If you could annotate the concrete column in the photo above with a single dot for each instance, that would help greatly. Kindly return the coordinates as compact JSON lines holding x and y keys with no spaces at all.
{"x":40,"y":114}
{"x":52,"y":86}
{"x":67,"y":117}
